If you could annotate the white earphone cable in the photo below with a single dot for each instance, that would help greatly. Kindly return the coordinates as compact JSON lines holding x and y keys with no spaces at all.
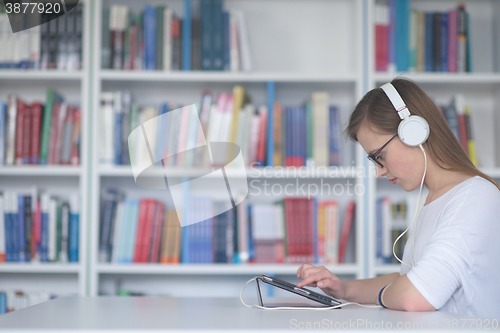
{"x":417,"y":213}
{"x":294,"y":307}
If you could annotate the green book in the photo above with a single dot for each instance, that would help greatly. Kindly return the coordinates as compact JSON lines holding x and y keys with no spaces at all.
{"x":58,"y":231}
{"x":159,"y":36}
{"x":52,"y":98}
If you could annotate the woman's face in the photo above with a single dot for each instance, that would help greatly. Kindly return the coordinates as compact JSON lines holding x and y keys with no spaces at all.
{"x":403,"y":165}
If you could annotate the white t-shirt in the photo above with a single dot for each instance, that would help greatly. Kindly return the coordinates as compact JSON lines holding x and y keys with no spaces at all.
{"x":457,"y":250}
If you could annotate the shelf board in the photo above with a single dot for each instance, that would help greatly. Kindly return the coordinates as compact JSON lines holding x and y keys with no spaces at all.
{"x":52,"y":75}
{"x":39,"y":268}
{"x":40,"y":170}
{"x":201,"y":76}
{"x":444,"y":77}
{"x":279,"y":172}
{"x":215,"y":269}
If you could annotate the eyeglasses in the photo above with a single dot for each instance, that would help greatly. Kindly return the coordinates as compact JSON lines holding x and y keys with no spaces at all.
{"x":373,"y":157}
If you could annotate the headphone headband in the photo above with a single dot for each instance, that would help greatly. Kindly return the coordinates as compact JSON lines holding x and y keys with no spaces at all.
{"x":396,"y":100}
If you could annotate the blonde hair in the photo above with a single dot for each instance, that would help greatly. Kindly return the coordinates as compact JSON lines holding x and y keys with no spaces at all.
{"x":443,"y":147}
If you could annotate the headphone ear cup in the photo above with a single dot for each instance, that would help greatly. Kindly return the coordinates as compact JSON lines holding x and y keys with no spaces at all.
{"x":413,"y":131}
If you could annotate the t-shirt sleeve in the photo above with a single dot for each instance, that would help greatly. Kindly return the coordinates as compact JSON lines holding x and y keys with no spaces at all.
{"x":439,"y":272}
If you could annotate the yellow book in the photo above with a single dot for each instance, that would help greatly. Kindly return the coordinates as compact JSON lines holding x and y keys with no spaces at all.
{"x":471,"y":145}
{"x":278,"y":144}
{"x":238,"y":100}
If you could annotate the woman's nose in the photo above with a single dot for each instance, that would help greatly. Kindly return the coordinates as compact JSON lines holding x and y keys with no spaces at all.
{"x":381,"y":172}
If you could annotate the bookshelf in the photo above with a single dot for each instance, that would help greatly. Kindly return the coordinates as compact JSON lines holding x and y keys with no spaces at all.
{"x":480,"y":88}
{"x":301,"y":46}
{"x":296,"y":73}
{"x":58,"y":180}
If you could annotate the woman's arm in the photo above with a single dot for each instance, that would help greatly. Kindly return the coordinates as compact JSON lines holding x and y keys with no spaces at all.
{"x":367,"y":290}
{"x":402,"y":295}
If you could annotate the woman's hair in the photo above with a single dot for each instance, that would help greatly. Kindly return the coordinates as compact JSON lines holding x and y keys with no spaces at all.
{"x":376,"y":110}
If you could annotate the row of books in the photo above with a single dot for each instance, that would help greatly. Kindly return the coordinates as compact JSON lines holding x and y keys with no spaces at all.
{"x":308,"y":135}
{"x":412,"y":40}
{"x":392,"y":219}
{"x":458,"y":116}
{"x":39,"y":133}
{"x":55,"y":44}
{"x":206,"y":38}
{"x":38,"y":228}
{"x":293,"y":230}
{"x":13,"y":300}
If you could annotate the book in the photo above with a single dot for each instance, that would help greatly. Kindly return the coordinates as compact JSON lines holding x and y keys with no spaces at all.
{"x":346,"y":230}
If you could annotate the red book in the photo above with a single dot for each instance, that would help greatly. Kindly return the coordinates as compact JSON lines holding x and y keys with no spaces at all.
{"x":75,"y":138}
{"x":290,"y":229}
{"x":141,"y":224}
{"x":346,"y":230}
{"x":53,"y":132}
{"x":156,"y":235}
{"x":452,"y":40}
{"x":148,"y":228}
{"x":381,"y":37}
{"x":133,"y":42}
{"x":27,"y":134}
{"x":462,"y":131}
{"x":36,"y":125}
{"x":21,"y":107}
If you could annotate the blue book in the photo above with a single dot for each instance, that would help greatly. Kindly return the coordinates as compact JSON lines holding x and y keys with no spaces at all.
{"x":379,"y":227}
{"x":186,"y":36}
{"x":3,"y":303}
{"x":402,"y":31}
{"x":206,"y":35}
{"x":161,"y":133}
{"x":132,"y":231}
{"x":270,"y":122}
{"x":218,"y":35}
{"x":251,"y":245}
{"x":3,"y":112}
{"x":44,"y":238}
{"x":444,"y":43}
{"x":15,"y":228}
{"x":74,"y":231}
{"x":303,"y":134}
{"x":8,"y":227}
{"x":227,"y":61}
{"x":149,"y":37}
{"x":468,"y":54}
{"x":429,"y":42}
{"x":288,"y":133}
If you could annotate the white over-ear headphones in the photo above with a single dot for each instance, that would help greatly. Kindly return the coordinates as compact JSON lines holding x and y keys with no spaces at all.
{"x":412,"y":130}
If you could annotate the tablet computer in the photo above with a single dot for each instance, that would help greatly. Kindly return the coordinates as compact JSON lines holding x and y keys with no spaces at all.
{"x":324,"y":300}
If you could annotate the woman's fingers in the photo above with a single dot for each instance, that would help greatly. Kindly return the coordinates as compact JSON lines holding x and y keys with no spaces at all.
{"x":313,"y":276}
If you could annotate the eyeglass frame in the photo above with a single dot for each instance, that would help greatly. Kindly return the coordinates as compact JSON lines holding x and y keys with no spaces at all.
{"x":373,"y":157}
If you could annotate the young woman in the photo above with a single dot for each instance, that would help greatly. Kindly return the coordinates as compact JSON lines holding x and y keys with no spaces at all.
{"x":451,"y":260}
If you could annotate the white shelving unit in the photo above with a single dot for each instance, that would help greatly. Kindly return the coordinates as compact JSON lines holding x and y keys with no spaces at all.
{"x":302,"y":46}
{"x":481,"y":89}
{"x":31,"y":85}
{"x":306,"y":60}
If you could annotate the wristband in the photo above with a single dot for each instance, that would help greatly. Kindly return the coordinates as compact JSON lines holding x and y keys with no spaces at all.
{"x":381,"y":294}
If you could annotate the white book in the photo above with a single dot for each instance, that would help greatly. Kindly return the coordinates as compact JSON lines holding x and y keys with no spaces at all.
{"x":107,"y":129}
{"x":132,"y":230}
{"x":243,"y":232}
{"x":320,"y":128}
{"x":52,"y":230}
{"x":2,"y":227}
{"x":254,"y":138}
{"x":194,"y":126}
{"x":245,"y":56}
{"x":34,"y":40}
{"x":234,"y":53}
{"x":10,"y":133}
{"x":117,"y":230}
{"x":146,"y":119}
{"x":173,"y":137}
{"x":332,"y":234}
{"x":120,"y":245}
{"x":4,"y":21}
{"x":167,"y":42}
{"x":386,"y":229}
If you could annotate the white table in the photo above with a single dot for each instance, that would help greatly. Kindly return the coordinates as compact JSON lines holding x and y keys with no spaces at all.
{"x":140,"y":314}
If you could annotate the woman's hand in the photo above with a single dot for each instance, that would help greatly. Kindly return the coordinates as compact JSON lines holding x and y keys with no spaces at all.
{"x":322,"y":278}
